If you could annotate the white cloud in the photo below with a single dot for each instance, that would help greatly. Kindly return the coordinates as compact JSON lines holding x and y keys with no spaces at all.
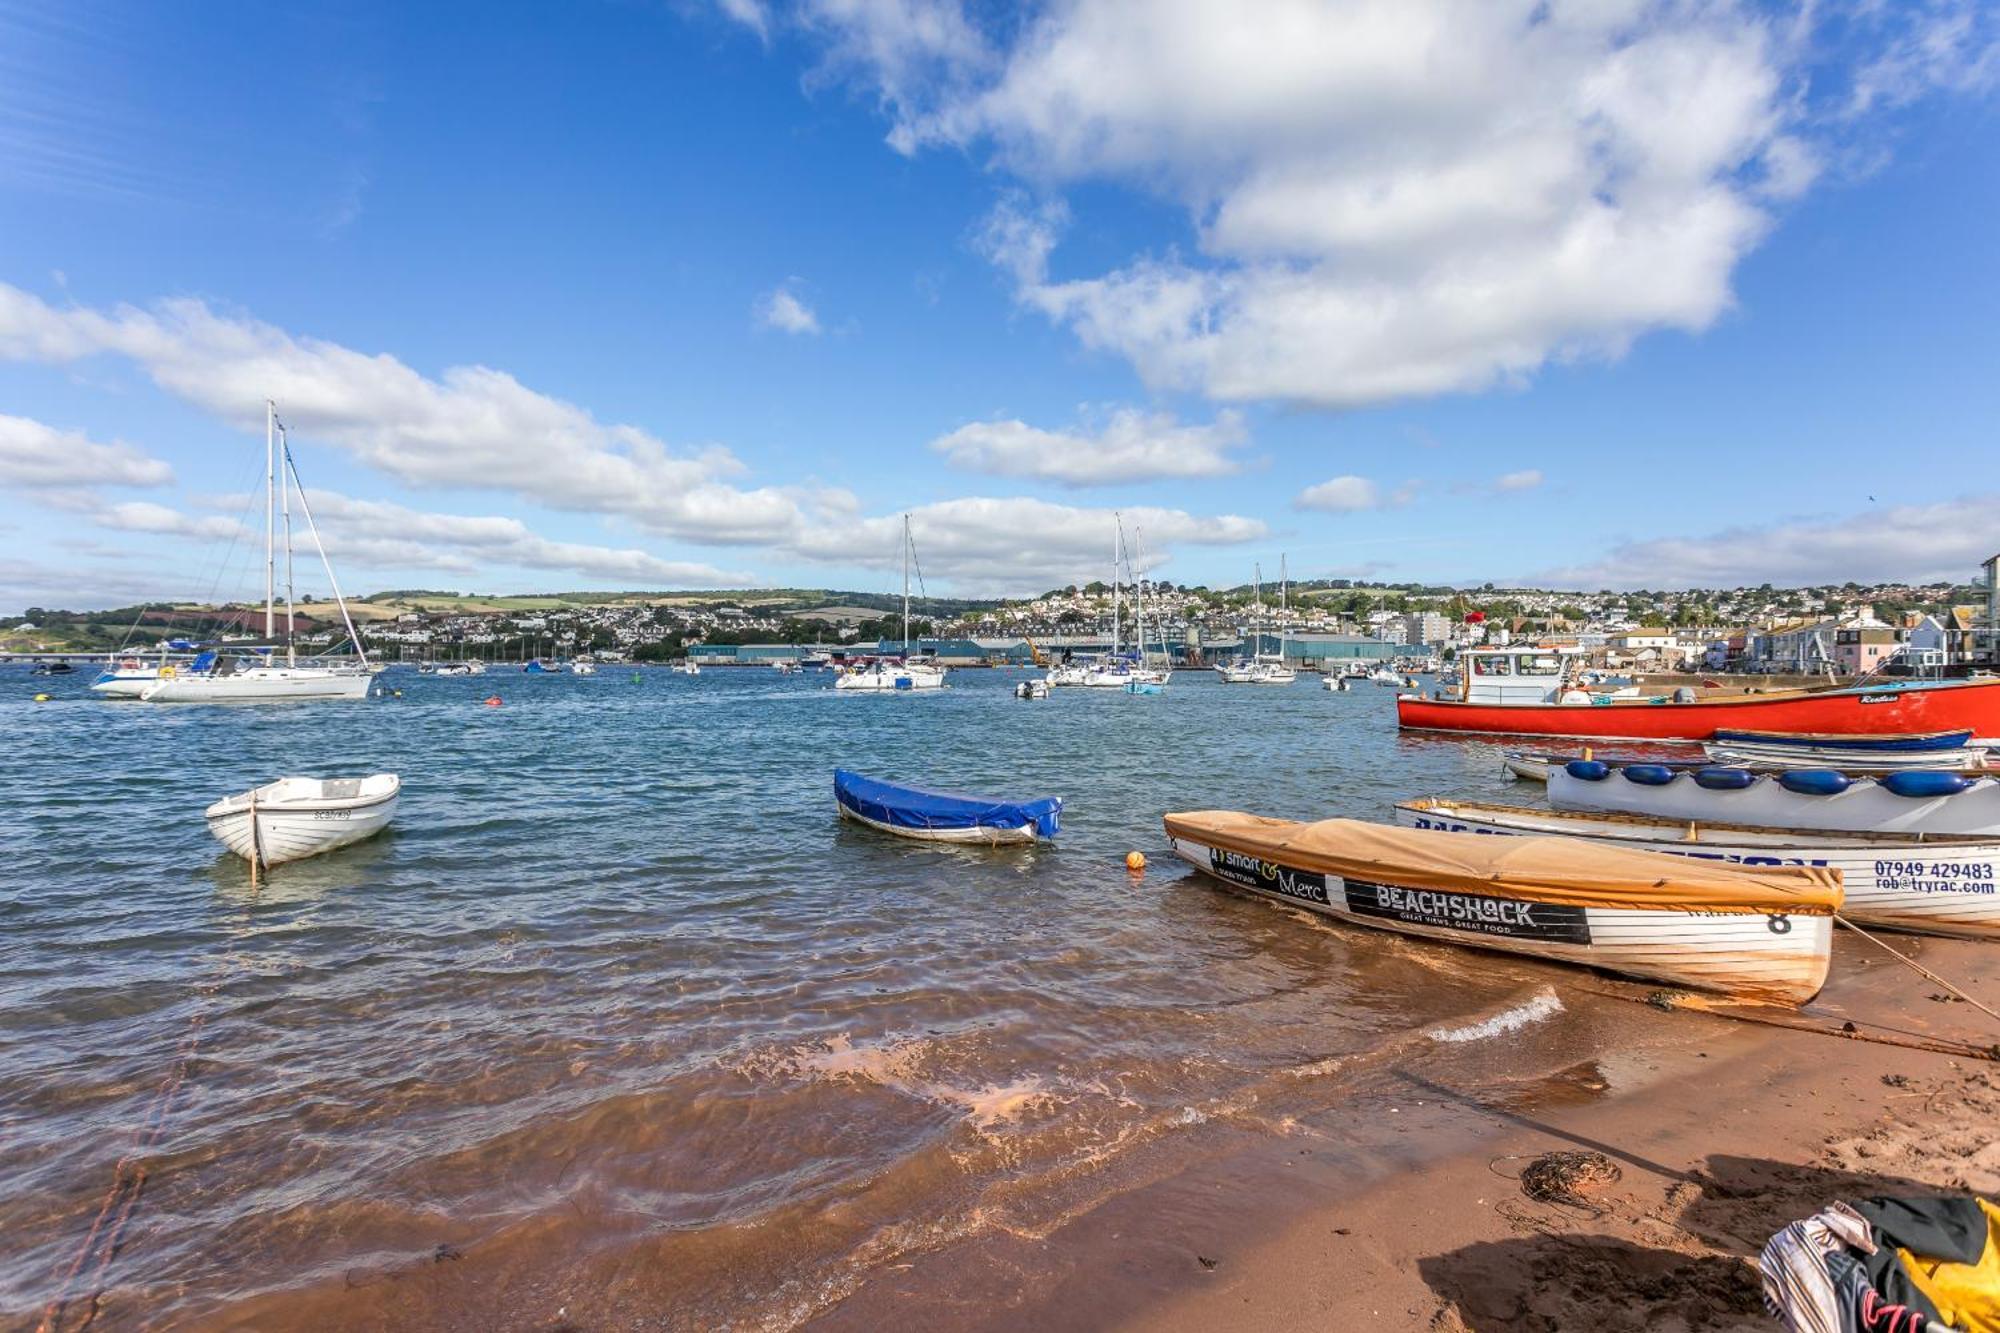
{"x":751,"y":14}
{"x":472,"y":426}
{"x":1525,"y":480}
{"x":1351,"y":495}
{"x":159,"y":519}
{"x":1128,"y":446}
{"x":1926,"y":46}
{"x":32,"y":454}
{"x":1341,"y":495}
{"x":783,"y":309}
{"x":1917,"y":543}
{"x":1017,"y":544}
{"x":1390,"y":198}
{"x":387,"y":535}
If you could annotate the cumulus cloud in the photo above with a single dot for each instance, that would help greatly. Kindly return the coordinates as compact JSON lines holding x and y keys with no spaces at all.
{"x":161,"y":520}
{"x":477,"y":428}
{"x":390,"y":535}
{"x":33,"y":454}
{"x":1389,"y":198}
{"x":470,"y":427}
{"x":750,"y":13}
{"x":1351,"y":495}
{"x":1916,"y":543}
{"x":1129,"y":446}
{"x":784,"y":309}
{"x":1017,"y":544}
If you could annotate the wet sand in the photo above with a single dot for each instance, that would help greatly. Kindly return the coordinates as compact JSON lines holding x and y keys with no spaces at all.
{"x":1735,"y":1130}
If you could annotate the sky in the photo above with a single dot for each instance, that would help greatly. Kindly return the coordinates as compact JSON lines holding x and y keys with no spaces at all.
{"x":664,"y":294}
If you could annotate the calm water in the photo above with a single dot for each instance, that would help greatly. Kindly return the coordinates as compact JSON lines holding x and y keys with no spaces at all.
{"x":620,"y":1019}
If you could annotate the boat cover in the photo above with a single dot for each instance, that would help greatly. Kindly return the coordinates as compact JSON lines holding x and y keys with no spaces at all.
{"x":1548,"y":870}
{"x":914,"y":807}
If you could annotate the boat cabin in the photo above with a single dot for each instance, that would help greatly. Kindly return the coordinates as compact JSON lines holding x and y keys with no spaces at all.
{"x":1518,"y":675}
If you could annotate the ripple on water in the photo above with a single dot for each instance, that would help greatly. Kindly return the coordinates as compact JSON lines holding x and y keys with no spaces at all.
{"x":621,"y":1010}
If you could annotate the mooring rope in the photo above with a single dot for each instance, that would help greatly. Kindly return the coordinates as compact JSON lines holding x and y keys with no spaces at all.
{"x":128,"y":1183}
{"x":1916,"y":967}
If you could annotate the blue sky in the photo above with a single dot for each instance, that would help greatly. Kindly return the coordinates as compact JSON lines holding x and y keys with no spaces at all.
{"x":651,"y":294}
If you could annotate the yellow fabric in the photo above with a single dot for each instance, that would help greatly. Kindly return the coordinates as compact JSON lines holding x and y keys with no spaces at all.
{"x":1539,"y":869}
{"x":1967,"y":1295}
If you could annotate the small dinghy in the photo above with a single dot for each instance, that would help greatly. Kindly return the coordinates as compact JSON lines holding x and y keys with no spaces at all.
{"x":1946,"y":750}
{"x":1939,"y":885}
{"x":938,"y":816}
{"x":1755,"y":933}
{"x":1032,"y":689}
{"x":294,"y":818}
{"x":1823,"y":799}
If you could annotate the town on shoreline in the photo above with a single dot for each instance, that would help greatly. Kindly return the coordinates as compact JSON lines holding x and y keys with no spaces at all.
{"x":1847,"y":629}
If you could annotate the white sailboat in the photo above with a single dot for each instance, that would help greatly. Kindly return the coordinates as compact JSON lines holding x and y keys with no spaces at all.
{"x":885,"y":674}
{"x":233,"y":680}
{"x":1272,"y":668}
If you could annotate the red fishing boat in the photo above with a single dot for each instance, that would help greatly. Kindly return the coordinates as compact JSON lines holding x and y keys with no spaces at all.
{"x":1540,"y":692}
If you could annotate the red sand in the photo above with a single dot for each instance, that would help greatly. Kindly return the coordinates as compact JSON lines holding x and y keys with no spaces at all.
{"x":1740,"y":1129}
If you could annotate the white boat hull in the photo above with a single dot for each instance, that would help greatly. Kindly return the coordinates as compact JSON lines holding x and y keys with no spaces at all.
{"x":891,"y":679}
{"x":1930,"y":887}
{"x":1745,"y":755}
{"x":1777,"y":957}
{"x":1865,"y":807}
{"x":260,"y":685}
{"x":125,"y":684}
{"x":984,"y":837}
{"x":289,"y":826}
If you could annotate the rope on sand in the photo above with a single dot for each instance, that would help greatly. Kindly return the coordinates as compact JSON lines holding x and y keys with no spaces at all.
{"x":1916,"y":967}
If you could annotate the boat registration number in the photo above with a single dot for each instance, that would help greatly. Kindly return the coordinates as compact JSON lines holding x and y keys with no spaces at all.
{"x":333,"y":814}
{"x":1550,"y":922}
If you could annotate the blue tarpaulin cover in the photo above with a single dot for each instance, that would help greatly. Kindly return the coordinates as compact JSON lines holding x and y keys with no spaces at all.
{"x":1923,"y":741}
{"x":899,"y":806}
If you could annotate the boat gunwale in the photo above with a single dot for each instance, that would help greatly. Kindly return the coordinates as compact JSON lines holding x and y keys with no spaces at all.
{"x":239,"y":804}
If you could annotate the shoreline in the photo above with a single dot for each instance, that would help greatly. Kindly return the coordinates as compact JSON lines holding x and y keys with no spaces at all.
{"x":1731,"y":1131}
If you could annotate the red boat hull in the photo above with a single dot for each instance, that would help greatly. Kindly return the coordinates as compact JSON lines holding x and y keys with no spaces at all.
{"x":1874,"y":711}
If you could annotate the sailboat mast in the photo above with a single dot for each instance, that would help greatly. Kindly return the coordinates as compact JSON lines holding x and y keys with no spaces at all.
{"x":1117,"y":535}
{"x":270,"y":506}
{"x":1284,"y":605}
{"x":906,"y":585}
{"x":285,"y":502}
{"x":1257,"y":599}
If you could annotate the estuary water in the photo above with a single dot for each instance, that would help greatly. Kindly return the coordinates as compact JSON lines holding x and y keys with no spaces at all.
{"x":618,"y":1025}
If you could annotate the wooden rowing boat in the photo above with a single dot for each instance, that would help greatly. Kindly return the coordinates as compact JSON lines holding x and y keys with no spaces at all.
{"x":1933,"y":885}
{"x":1760,"y":934}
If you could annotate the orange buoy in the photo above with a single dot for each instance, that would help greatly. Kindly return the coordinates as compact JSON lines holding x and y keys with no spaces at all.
{"x":1135,"y":861}
{"x":493,"y":701}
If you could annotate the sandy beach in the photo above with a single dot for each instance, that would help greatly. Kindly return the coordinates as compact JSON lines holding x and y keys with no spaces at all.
{"x":1733,"y":1131}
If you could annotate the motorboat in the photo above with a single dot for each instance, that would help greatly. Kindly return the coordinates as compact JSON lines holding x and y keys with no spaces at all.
{"x":1031,"y":689}
{"x":1539,"y":692}
{"x":293,"y":818}
{"x":1762,"y":933}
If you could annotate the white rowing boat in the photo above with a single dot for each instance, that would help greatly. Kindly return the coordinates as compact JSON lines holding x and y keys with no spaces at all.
{"x":1762,"y":934}
{"x":294,"y":818}
{"x":1933,"y":885}
{"x":1816,"y":799}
